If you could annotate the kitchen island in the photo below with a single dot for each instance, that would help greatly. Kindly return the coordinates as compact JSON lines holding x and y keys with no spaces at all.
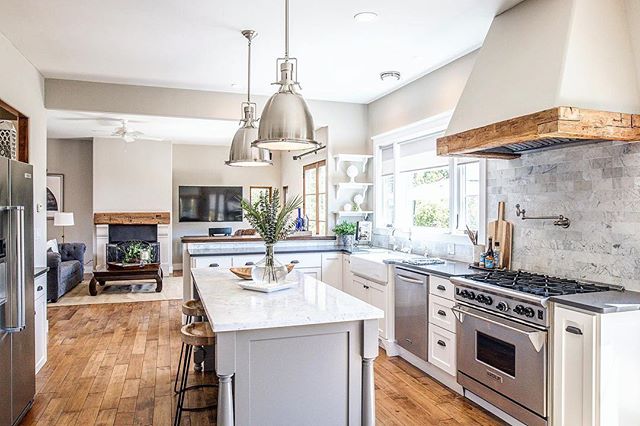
{"x":298,"y":356}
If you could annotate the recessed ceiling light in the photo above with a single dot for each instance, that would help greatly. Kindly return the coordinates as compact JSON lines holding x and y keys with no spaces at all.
{"x":365,"y":16}
{"x":390,"y":76}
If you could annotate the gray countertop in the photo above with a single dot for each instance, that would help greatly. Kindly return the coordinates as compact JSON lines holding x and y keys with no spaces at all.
{"x":448,"y":269}
{"x":227,"y":251}
{"x":602,"y":302}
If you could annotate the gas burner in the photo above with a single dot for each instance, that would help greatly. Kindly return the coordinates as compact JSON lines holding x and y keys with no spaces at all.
{"x":536,"y":284}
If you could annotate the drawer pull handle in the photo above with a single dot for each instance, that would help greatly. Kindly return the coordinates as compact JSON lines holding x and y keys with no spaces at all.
{"x":365,"y":286}
{"x":409,"y":340}
{"x":248,"y":264}
{"x":214,"y":265}
{"x":40,"y":288}
{"x":442,"y":343}
{"x":442,"y":313}
{"x":573,"y":330}
{"x":441,"y":287}
{"x":294,"y":262}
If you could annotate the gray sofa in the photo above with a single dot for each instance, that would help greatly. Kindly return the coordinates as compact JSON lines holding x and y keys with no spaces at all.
{"x":66,"y":269}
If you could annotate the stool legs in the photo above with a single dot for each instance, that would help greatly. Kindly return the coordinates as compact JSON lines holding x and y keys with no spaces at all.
{"x":175,"y":383}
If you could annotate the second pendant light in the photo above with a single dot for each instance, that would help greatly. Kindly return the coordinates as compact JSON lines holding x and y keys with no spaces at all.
{"x":242,"y":153}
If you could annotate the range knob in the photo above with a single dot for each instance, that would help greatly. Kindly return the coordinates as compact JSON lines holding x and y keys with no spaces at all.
{"x":464,"y":293}
{"x":472,"y":295}
{"x":488,"y":300}
{"x":502,"y":306}
{"x":481,"y":298}
{"x":519,"y":309}
{"x":529,"y":312}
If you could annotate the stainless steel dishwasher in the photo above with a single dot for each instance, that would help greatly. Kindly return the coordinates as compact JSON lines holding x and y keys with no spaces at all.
{"x":412,"y":321}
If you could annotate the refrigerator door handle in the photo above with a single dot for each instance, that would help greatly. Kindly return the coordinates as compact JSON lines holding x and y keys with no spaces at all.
{"x":15,"y":317}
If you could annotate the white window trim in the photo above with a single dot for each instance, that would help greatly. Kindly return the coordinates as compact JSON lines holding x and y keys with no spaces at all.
{"x":431,"y":125}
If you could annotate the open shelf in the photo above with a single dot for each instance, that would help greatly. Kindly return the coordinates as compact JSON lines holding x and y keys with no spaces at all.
{"x":354,"y":213}
{"x":352,"y":158}
{"x":359,"y":186}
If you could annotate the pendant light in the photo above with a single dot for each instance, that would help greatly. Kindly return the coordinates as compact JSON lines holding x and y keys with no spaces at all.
{"x":241,"y":153}
{"x":286,"y":122}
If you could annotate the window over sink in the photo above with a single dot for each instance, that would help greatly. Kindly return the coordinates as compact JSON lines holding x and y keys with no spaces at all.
{"x":418,"y":190}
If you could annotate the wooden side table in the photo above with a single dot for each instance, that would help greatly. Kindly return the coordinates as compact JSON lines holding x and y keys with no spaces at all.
{"x":104,"y":273}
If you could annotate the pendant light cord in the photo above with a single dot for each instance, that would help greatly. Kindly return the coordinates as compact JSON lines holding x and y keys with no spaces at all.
{"x":286,"y":30}
{"x":249,"y":74}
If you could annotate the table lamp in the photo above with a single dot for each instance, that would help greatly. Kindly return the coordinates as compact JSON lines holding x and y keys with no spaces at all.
{"x":63,"y":219}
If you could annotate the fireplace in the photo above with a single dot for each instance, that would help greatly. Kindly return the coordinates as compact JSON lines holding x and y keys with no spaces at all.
{"x":113,"y":229}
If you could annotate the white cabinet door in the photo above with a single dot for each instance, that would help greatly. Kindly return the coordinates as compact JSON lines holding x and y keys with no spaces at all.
{"x":442,"y":349}
{"x":347,"y":276}
{"x":574,"y":368}
{"x":359,"y":289}
{"x":312,"y":272}
{"x":41,"y":331}
{"x":332,"y":269}
{"x":378,"y":298}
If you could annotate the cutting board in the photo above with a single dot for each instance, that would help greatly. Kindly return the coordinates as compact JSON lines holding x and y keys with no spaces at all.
{"x":502,"y":231}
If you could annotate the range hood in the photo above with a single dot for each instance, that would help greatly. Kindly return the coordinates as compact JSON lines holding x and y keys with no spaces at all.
{"x":551,"y":73}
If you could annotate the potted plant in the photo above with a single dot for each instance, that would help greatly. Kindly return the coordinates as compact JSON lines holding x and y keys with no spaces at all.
{"x":273,"y":222}
{"x":345,"y":232}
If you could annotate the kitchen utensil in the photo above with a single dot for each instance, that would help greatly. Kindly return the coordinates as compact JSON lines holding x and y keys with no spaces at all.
{"x":501,"y":230}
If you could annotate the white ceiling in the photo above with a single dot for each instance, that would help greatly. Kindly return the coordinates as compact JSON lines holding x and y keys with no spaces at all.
{"x":77,"y":125}
{"x":197,"y":43}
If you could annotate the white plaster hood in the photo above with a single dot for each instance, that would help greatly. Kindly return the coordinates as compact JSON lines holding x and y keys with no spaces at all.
{"x":560,"y":63}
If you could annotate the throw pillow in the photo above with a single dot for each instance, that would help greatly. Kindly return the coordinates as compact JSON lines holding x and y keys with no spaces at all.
{"x":53,"y":245}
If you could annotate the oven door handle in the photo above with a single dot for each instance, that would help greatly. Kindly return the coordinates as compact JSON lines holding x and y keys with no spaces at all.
{"x":536,"y":337}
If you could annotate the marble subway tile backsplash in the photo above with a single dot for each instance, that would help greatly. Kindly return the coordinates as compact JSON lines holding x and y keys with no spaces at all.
{"x":597,"y":186}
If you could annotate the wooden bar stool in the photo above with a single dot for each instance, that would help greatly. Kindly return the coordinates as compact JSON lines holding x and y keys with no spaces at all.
{"x":192,"y":309}
{"x":193,"y":335}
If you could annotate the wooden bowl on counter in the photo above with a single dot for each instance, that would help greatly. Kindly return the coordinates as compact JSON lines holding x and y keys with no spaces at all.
{"x":244,"y":272}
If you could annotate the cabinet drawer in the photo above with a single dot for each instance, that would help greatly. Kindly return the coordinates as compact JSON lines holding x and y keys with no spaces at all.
{"x":301,"y":260}
{"x":440,"y":313}
{"x":441,"y":287}
{"x":205,"y":261}
{"x":442,"y":349}
{"x":40,"y":286}
{"x":246,"y":259}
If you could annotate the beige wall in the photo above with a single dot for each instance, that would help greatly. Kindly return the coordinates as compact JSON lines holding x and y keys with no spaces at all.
{"x":433,"y":94}
{"x":204,"y":165}
{"x":74,"y":159}
{"x":22,"y":87}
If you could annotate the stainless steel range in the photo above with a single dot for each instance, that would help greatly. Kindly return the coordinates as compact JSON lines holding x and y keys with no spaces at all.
{"x":503,"y":342}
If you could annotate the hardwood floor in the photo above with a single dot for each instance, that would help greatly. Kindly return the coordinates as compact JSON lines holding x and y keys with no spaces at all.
{"x":114,"y":365}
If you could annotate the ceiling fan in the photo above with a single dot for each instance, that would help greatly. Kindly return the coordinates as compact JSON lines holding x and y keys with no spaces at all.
{"x":123,"y":132}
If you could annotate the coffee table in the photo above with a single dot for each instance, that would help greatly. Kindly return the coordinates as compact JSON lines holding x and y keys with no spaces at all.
{"x":105,"y":273}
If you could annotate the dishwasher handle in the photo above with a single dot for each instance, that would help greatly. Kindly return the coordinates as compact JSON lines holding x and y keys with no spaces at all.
{"x":409,"y":279}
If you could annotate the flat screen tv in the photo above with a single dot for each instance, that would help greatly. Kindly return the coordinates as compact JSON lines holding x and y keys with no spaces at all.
{"x":210,"y":203}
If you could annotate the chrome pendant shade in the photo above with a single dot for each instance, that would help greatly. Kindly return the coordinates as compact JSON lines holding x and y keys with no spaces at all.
{"x":286,"y":123}
{"x":241,"y":153}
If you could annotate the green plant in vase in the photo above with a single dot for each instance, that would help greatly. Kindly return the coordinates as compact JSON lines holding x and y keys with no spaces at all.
{"x":273,"y":222}
{"x":135,"y":252}
{"x":345,"y":232}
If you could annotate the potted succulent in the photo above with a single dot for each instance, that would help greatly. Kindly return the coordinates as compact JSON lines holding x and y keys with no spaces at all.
{"x":273,"y":222}
{"x":345,"y":232}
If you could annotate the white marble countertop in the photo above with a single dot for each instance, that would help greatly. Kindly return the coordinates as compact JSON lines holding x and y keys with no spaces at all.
{"x":308,"y":302}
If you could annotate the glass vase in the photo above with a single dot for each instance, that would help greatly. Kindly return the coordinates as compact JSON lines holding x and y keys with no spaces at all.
{"x":269,"y":271}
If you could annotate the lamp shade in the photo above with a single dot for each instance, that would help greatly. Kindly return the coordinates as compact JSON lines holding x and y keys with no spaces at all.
{"x":241,"y":153}
{"x":63,"y":219}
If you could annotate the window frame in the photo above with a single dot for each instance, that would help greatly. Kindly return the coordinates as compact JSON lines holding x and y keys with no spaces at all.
{"x":325,"y":216}
{"x":429,"y":127}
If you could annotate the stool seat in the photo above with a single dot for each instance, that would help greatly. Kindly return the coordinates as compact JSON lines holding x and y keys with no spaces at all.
{"x":193,"y":308}
{"x":198,"y":334}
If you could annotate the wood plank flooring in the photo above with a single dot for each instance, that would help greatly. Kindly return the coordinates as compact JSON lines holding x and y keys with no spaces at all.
{"x":113,"y":364}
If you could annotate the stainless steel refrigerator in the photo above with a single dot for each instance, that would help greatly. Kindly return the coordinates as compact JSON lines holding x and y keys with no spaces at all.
{"x":17,"y":315}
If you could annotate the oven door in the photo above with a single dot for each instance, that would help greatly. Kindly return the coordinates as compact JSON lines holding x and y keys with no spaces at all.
{"x":504,"y":355}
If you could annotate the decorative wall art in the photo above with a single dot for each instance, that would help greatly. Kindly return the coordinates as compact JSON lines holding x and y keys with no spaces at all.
{"x":55,"y":194}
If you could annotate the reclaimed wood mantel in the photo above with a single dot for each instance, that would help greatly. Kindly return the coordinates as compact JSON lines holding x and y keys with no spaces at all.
{"x":132,"y":218}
